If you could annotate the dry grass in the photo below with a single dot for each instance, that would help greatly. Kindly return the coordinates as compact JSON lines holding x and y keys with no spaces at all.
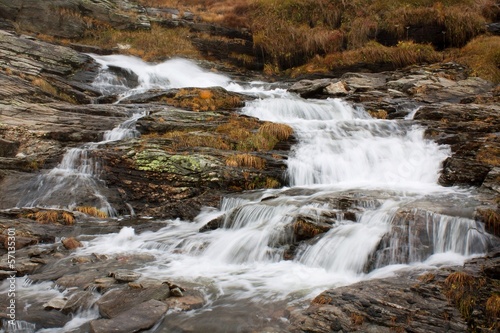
{"x":52,"y":216}
{"x":156,"y":44}
{"x":306,"y":230}
{"x":183,"y":140}
{"x":491,"y":219}
{"x":280,"y":131}
{"x":196,"y":99}
{"x":44,"y":86}
{"x":243,"y":134}
{"x":68,"y":218}
{"x":493,"y":307}
{"x":46,"y":216}
{"x":246,"y":160}
{"x":49,"y":89}
{"x":489,"y":154}
{"x":459,"y":289}
{"x":322,"y":299}
{"x":91,"y":211}
{"x":427,"y":277}
{"x":357,"y":319}
{"x":378,"y":114}
{"x":482,"y":54}
{"x":404,"y":54}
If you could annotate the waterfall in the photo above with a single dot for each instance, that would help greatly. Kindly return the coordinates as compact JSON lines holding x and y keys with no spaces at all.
{"x":382,"y":166}
{"x":364,"y":181}
{"x":75,"y":180}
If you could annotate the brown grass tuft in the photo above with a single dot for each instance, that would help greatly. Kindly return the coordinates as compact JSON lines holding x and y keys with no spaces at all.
{"x":92,"y":211}
{"x":482,"y":54}
{"x":322,"y":299}
{"x":493,"y":307}
{"x":183,"y":140}
{"x":46,"y":216}
{"x":427,"y":277}
{"x":491,"y":219}
{"x":68,"y":218}
{"x":280,"y":131}
{"x":379,"y":114}
{"x":205,"y":94}
{"x":246,"y":160}
{"x":357,"y":319}
{"x":45,"y":86}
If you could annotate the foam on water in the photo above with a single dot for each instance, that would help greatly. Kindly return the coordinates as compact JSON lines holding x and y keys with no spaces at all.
{"x":341,"y":153}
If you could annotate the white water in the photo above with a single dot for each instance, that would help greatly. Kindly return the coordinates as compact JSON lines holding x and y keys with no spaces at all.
{"x":342,"y":152}
{"x":75,"y":181}
{"x":340,"y":148}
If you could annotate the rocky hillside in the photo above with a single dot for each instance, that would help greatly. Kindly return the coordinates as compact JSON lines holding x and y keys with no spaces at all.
{"x":194,"y":147}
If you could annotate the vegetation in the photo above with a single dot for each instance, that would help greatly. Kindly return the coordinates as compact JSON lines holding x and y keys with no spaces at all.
{"x":246,"y":160}
{"x":491,"y":219}
{"x":204,"y":99}
{"x":493,"y":306}
{"x":482,"y":54}
{"x":49,"y":89}
{"x":91,"y":211}
{"x":460,"y":290}
{"x":150,"y":45}
{"x":300,"y":36}
{"x":51,"y":216}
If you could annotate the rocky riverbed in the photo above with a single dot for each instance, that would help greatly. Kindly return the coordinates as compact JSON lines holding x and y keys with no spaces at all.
{"x":196,"y":147}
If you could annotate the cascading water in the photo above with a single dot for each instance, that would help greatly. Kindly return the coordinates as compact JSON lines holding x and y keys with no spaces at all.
{"x":351,"y":172}
{"x":76,"y":179}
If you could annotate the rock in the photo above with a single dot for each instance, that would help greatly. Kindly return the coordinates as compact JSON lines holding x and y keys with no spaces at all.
{"x":360,"y":82}
{"x":311,"y":88}
{"x":71,"y":243}
{"x":304,"y":228}
{"x":191,"y":300}
{"x":336,"y":89}
{"x":4,"y":274}
{"x":494,"y":28}
{"x":8,"y":148}
{"x":103,"y":284}
{"x":140,"y":317}
{"x":118,"y":301}
{"x":213,"y":224}
{"x":71,"y":18}
{"x":382,"y":305}
{"x":57,"y":303}
{"x":79,"y":300}
{"x":457,"y":171}
{"x":75,"y":280}
{"x":124,"y":275}
{"x":176,"y":292}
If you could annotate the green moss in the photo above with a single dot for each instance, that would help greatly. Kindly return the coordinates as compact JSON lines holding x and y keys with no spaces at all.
{"x":161,"y":161}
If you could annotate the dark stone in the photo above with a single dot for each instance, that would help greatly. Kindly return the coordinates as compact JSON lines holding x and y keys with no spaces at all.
{"x":8,"y":148}
{"x":213,"y":224}
{"x":463,"y":172}
{"x":139,"y":317}
{"x":116,"y":302}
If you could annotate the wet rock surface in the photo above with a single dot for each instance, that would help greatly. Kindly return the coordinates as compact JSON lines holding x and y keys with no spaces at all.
{"x":412,"y":301}
{"x":187,"y":157}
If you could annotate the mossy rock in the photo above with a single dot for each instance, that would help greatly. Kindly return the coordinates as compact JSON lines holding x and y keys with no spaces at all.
{"x":161,"y":161}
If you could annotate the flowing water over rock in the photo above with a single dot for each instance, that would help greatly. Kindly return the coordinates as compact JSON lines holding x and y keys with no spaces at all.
{"x":363,"y":202}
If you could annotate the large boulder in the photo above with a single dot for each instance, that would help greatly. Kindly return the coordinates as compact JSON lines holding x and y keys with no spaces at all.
{"x":71,"y":18}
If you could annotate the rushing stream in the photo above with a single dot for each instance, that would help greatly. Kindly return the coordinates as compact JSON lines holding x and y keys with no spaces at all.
{"x":402,"y":219}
